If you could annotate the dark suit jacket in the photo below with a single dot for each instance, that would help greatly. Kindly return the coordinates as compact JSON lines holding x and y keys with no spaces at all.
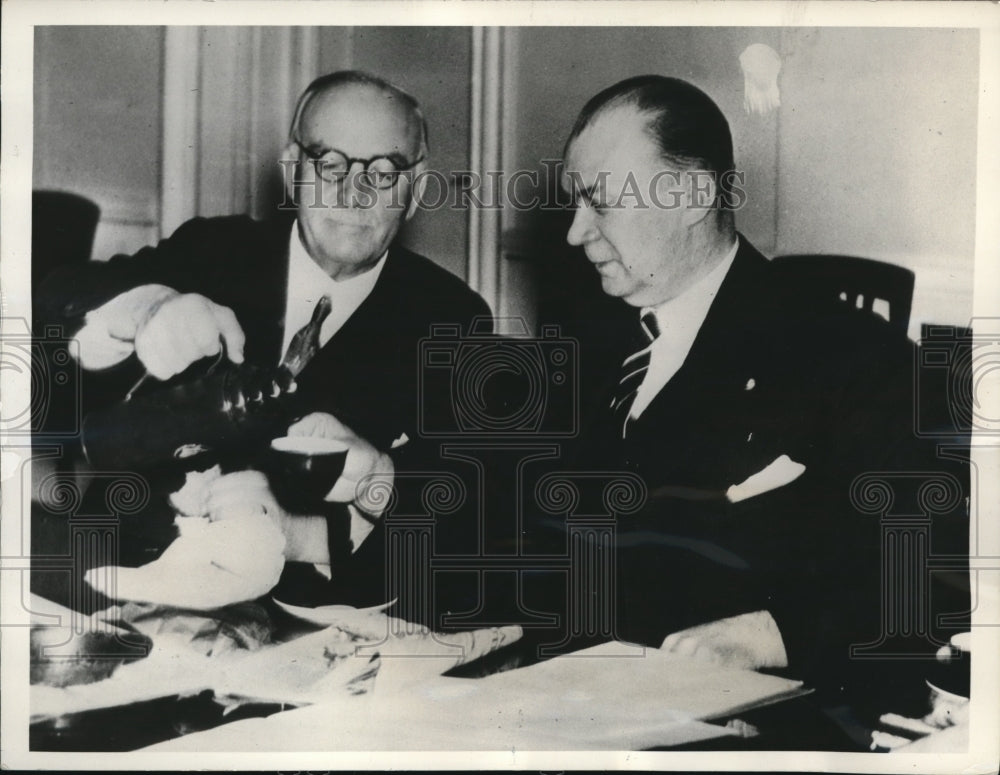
{"x":366,"y":375}
{"x":770,"y":373}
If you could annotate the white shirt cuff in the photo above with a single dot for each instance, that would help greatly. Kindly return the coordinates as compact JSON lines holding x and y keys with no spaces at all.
{"x":371,"y":497}
{"x":372,"y":492}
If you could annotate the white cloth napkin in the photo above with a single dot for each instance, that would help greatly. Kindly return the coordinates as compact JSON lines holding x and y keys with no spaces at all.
{"x":234,"y":554}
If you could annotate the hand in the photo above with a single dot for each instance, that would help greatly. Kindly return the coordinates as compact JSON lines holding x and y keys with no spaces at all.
{"x":748,"y":642}
{"x":183,"y":328}
{"x":244,"y":492}
{"x":363,"y":466}
{"x":236,"y":554}
{"x":236,"y":495}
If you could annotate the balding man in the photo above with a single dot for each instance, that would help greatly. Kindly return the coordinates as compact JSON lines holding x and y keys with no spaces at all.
{"x":234,"y":285}
{"x":748,"y":407}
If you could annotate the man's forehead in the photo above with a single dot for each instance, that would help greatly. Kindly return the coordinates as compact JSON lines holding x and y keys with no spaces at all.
{"x":612,"y":146}
{"x":360,"y":115}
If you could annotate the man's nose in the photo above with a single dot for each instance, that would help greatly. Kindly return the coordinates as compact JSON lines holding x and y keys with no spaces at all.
{"x":356,"y":188}
{"x":583,"y":229}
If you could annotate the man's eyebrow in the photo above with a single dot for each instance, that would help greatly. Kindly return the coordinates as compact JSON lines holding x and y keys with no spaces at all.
{"x":319,"y":148}
{"x":399,"y":159}
{"x":572,"y":184}
{"x":586,"y":192}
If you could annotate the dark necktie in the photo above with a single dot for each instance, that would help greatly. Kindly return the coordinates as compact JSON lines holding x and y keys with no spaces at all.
{"x":633,"y":372}
{"x":305,"y":343}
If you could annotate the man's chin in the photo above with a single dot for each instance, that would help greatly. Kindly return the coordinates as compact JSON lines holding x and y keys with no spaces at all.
{"x":345,"y":265}
{"x":613,"y":286}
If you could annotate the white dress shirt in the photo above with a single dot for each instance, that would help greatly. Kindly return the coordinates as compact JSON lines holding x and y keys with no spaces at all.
{"x":679,"y":319}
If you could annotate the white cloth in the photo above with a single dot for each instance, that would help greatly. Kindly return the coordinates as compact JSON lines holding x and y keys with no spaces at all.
{"x":307,"y":282}
{"x":228,"y":558}
{"x":679,"y":319}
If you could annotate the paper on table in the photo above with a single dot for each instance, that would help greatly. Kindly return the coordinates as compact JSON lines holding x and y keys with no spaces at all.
{"x":161,"y":674}
{"x":594,"y":699}
{"x":308,"y":668}
{"x":641,"y":682}
{"x":409,"y":652}
{"x":372,"y":724}
{"x":950,"y":740}
{"x":339,"y":660}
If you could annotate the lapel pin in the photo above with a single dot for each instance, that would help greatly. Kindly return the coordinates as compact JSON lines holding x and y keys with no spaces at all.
{"x":751,"y":384}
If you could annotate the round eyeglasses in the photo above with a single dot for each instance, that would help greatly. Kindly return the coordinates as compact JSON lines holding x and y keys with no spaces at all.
{"x":380,"y":171}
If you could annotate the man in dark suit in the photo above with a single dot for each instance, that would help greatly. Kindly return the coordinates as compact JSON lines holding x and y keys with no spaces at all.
{"x":748,"y":409}
{"x":241,"y":288}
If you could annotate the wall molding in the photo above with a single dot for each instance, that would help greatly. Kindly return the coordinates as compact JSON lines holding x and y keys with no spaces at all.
{"x":228,"y":95}
{"x":179,"y":167}
{"x":485,"y":154}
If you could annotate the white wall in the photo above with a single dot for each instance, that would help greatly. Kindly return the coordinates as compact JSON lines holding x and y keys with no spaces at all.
{"x":877,"y":155}
{"x":97,"y":114}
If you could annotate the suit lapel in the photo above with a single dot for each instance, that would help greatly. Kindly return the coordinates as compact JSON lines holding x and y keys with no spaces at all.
{"x":719,"y":352}
{"x":359,"y":373}
{"x":699,"y":429}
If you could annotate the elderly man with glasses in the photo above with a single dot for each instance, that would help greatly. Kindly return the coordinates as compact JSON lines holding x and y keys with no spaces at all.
{"x":242,"y":289}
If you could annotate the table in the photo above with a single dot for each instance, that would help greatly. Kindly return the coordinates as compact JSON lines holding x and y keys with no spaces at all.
{"x":610,"y":697}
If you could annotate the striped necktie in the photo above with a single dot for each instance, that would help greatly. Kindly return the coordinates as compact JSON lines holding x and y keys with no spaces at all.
{"x":305,"y":342}
{"x":633,"y":372}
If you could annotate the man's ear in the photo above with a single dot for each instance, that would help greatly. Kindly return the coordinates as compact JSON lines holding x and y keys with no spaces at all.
{"x":289,"y":161}
{"x":417,"y":189}
{"x":700,"y":192}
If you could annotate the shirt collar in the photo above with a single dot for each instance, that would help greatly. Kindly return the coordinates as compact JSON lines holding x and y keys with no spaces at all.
{"x":689,"y":310}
